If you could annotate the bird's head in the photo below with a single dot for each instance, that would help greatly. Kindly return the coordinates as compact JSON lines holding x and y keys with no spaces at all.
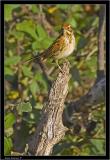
{"x":67,"y":28}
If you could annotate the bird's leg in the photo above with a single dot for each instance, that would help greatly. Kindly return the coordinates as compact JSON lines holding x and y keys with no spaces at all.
{"x":58,"y":65}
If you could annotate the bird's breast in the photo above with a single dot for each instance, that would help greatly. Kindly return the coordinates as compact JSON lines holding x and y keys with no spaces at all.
{"x":70,"y":46}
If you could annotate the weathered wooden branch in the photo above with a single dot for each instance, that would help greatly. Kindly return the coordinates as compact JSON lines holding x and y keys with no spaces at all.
{"x":51,"y":129}
{"x":100,"y":55}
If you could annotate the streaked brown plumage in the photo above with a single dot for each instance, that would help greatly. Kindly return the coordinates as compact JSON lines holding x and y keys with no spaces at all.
{"x":62,"y":47}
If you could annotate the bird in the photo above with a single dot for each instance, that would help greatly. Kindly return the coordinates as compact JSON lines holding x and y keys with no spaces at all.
{"x":62,"y":47}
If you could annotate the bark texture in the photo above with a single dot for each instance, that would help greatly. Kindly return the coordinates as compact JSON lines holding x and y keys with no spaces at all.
{"x":100,"y":55}
{"x":51,"y":129}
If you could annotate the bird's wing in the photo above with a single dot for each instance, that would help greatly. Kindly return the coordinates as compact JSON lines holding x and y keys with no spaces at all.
{"x":55,"y":48}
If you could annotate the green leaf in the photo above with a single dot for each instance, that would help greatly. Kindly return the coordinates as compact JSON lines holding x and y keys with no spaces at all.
{"x":73,"y":22}
{"x":12,"y":60}
{"x":42,"y":44}
{"x":36,"y":45}
{"x":42,"y":83}
{"x":46,"y":42}
{"x":38,"y":106}
{"x":95,"y":22}
{"x":27,"y":71}
{"x":34,"y":8}
{"x":28,"y":26}
{"x":18,"y":35}
{"x":34,"y":87}
{"x":24,"y":107}
{"x":8,"y":8}
{"x":10,"y":119}
{"x":99,"y":145}
{"x":8,"y":71}
{"x":38,"y":76}
{"x":62,"y":6}
{"x":7,"y":145}
{"x":9,"y":132}
{"x":77,"y":9}
{"x":41,"y":32}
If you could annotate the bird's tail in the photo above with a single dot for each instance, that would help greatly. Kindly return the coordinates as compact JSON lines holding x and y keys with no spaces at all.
{"x":37,"y":57}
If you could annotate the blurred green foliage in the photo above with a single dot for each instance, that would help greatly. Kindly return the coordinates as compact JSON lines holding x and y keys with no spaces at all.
{"x":32,"y":28}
